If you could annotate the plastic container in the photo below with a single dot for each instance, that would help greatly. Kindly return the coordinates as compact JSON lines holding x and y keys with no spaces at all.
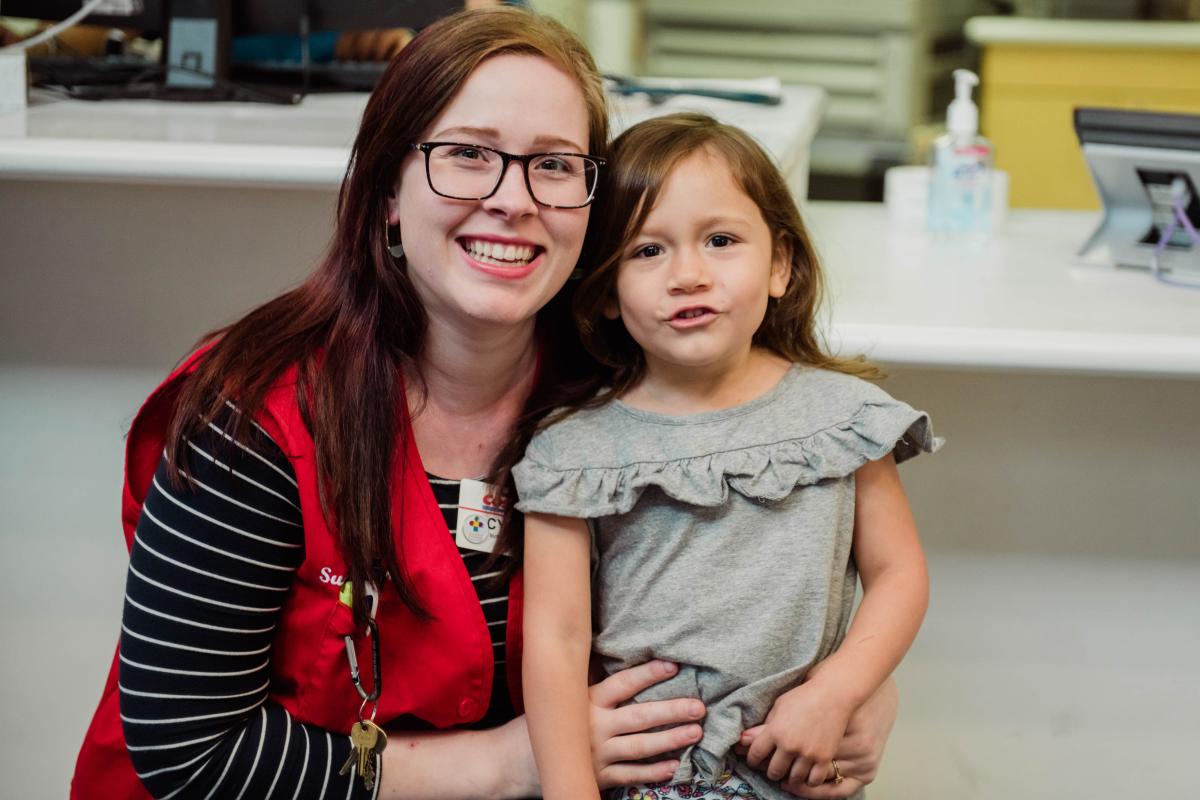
{"x":960,"y":189}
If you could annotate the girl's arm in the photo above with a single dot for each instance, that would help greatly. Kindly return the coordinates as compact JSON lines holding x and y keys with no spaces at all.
{"x":806,"y":723}
{"x":558,"y":641}
{"x":858,"y":754}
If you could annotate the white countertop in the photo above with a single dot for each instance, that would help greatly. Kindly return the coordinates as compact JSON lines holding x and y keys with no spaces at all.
{"x":1083,"y":32}
{"x":305,"y":146}
{"x":203,"y":144}
{"x":1021,"y":301}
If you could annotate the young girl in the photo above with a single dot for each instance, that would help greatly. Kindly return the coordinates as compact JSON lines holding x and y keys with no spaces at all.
{"x":735,"y":479}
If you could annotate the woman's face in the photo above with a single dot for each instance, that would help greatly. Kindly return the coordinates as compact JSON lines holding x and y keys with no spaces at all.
{"x":480,"y":265}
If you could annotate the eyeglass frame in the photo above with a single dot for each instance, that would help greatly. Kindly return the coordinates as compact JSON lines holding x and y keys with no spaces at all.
{"x":505,"y":160}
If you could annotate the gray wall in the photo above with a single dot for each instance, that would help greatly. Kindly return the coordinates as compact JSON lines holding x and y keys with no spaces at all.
{"x":127,"y":275}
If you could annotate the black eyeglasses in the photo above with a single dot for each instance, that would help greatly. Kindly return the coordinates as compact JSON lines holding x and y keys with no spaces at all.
{"x":474,"y":172}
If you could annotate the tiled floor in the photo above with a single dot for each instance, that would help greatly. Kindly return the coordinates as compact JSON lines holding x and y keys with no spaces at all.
{"x":1035,"y":676}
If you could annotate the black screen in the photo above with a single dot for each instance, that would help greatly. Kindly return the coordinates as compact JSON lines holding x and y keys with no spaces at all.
{"x":283,"y":16}
{"x":257,"y":16}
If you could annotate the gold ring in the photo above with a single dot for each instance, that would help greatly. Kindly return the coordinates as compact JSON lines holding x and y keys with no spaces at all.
{"x":837,"y":775}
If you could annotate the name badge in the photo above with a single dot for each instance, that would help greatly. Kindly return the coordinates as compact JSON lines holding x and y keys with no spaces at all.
{"x":480,"y":513}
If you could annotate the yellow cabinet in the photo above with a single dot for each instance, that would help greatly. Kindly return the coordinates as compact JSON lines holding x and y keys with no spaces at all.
{"x":1036,"y":72}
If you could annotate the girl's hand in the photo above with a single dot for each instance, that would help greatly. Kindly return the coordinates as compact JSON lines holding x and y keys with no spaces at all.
{"x":800,"y":737}
{"x":860,"y":751}
{"x":619,"y":733}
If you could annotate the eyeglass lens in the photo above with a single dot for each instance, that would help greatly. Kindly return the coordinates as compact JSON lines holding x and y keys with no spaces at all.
{"x":470,"y":173}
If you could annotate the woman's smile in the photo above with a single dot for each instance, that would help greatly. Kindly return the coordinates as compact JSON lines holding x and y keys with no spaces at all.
{"x":502,"y":257}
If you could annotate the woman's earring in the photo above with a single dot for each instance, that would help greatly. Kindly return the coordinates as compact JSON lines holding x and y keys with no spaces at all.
{"x":397,"y":249}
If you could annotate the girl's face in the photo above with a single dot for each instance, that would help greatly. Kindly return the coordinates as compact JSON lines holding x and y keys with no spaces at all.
{"x":482,"y":265}
{"x":692,"y":286}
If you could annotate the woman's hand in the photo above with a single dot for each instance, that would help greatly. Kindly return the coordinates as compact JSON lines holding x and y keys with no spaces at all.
{"x":620,"y":736}
{"x":860,"y":752}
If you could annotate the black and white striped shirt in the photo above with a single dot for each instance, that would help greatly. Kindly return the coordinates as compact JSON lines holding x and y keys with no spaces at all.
{"x":208,"y":576}
{"x":493,"y":598}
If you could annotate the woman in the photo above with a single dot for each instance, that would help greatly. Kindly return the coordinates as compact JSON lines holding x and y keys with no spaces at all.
{"x":399,"y":367}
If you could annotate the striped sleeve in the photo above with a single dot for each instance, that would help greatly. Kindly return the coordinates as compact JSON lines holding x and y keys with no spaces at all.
{"x":209,"y":570}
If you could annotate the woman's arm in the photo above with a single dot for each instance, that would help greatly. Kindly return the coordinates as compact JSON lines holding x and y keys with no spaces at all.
{"x":498,"y":764}
{"x":209,"y":570}
{"x":558,"y":641}
{"x":806,"y":723}
{"x":492,"y":764}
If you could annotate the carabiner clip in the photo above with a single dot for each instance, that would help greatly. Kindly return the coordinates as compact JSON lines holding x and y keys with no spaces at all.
{"x":352,"y":657}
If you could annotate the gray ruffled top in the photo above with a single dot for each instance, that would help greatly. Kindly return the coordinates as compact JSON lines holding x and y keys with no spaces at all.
{"x":722,"y":540}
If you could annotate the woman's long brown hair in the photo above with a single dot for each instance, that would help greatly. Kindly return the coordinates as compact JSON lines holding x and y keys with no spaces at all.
{"x":356,"y":322}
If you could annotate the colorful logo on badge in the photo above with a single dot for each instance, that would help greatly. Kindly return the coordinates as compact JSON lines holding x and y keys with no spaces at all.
{"x":495,"y":504}
{"x":475,"y":530}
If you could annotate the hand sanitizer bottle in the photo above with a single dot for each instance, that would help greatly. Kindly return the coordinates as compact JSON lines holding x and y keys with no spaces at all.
{"x":960,"y":194}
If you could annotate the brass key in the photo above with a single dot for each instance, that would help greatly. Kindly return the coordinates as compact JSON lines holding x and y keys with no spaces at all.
{"x":369,"y":773}
{"x":363,"y":736}
{"x":350,"y":760}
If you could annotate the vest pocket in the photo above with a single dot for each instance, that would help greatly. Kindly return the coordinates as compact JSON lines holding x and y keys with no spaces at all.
{"x":329,"y":699}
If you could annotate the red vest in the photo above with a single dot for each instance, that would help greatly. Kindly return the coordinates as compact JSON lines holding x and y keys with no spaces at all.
{"x":439,"y":670}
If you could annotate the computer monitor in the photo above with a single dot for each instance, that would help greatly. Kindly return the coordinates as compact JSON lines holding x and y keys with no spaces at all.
{"x":283,"y":16}
{"x":198,"y":33}
{"x":1143,"y":164}
{"x":251,"y":16}
{"x":276,"y":61}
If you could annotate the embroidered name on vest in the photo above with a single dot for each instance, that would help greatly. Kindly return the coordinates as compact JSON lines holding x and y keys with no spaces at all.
{"x":327,"y":576}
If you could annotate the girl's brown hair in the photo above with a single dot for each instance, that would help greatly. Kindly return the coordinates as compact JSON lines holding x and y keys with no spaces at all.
{"x":356,"y":321}
{"x":641,"y":161}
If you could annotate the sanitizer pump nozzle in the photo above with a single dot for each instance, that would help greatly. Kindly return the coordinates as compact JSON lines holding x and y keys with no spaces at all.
{"x":962,"y":117}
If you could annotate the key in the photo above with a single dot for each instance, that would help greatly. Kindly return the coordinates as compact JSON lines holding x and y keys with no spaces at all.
{"x":381,"y":742}
{"x":350,"y":759}
{"x":368,"y":771}
{"x":369,"y":775}
{"x":363,"y":736}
